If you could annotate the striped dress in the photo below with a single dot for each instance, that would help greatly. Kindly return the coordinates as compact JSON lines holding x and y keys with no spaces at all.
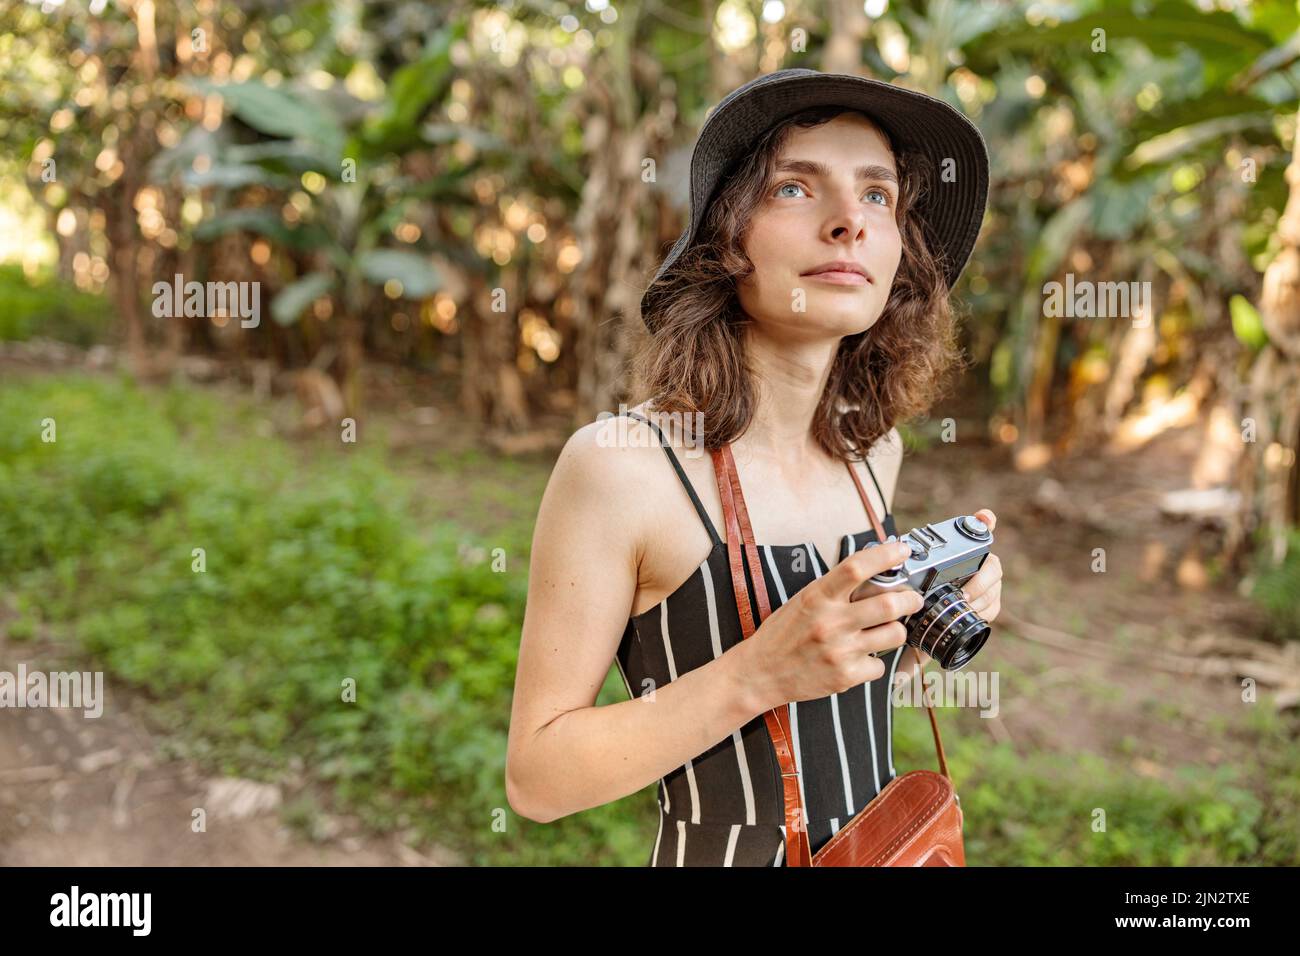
{"x":724,"y":807}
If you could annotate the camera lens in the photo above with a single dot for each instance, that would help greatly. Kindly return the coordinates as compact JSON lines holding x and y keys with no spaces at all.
{"x":947,"y":628}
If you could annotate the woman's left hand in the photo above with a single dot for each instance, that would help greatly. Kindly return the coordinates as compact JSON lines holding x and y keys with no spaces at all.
{"x":984,"y":590}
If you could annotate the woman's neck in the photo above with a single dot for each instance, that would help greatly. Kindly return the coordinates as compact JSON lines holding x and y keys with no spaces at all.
{"x":791,"y":377}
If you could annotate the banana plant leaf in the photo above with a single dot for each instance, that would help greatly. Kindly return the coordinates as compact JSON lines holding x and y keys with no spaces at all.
{"x":278,"y":111}
{"x":290,"y":301}
{"x":264,"y":222}
{"x":415,"y":272}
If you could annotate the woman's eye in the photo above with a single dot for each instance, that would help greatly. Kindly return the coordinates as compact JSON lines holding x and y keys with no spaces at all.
{"x":878,"y":196}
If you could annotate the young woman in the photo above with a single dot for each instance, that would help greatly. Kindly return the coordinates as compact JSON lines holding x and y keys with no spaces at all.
{"x":803,"y":313}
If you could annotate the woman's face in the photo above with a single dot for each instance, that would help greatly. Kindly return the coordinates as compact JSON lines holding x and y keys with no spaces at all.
{"x":834,"y":197}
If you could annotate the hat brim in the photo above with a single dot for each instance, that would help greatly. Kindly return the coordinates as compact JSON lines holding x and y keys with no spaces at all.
{"x":953,"y":206}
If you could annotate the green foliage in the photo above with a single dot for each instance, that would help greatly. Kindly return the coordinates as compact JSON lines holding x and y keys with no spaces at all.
{"x":410,"y":91}
{"x":352,"y":146}
{"x":264,"y":222}
{"x":1048,"y":809}
{"x":1166,"y":28}
{"x":296,"y":296}
{"x":276,"y":111}
{"x":917,"y":436}
{"x":1247,"y":325}
{"x":313,"y":577}
{"x":1277,"y":589}
{"x":417,"y":276}
{"x":50,"y":308}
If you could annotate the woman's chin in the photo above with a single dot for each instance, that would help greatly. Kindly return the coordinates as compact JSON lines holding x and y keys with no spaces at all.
{"x":849,"y":322}
{"x":834,"y":320}
{"x":846,"y":314}
{"x":826,"y":327}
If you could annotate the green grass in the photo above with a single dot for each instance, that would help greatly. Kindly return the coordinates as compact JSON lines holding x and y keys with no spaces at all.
{"x":1277,"y":587}
{"x":1049,"y":809}
{"x":316,"y":573}
{"x":53,"y":308}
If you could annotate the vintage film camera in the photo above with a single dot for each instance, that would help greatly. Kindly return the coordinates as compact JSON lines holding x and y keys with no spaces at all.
{"x":944,"y":557}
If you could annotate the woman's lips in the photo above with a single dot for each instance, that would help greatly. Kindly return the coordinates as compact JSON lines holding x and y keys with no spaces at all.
{"x":839,"y":278}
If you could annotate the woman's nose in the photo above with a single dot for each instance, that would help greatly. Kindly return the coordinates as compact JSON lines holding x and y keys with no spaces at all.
{"x":847,"y":219}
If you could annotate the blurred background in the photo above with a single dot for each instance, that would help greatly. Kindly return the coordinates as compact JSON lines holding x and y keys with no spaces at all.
{"x":450,"y":211}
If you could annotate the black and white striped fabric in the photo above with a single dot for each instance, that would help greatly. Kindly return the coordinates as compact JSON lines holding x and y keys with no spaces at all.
{"x":724,"y":807}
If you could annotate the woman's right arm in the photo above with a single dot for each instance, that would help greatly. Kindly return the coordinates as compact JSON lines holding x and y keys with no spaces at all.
{"x":565,"y":754}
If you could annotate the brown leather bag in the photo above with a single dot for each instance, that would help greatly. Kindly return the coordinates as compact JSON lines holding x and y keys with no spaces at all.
{"x":916,"y":820}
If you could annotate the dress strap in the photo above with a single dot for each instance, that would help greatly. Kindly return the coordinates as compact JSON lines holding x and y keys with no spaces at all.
{"x":880,"y":491}
{"x":681,"y":474}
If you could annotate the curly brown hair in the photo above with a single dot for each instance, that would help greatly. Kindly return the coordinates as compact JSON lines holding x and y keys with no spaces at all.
{"x":694,"y":362}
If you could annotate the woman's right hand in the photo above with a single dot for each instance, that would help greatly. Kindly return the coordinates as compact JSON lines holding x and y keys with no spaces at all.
{"x":820,"y":643}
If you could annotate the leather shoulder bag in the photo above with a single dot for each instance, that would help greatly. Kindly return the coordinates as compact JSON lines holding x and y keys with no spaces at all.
{"x":916,"y":820}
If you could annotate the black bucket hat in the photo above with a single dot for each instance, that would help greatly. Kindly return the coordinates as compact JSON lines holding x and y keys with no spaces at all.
{"x":952,"y":209}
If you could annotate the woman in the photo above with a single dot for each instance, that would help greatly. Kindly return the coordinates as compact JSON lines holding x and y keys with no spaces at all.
{"x":802,"y":313}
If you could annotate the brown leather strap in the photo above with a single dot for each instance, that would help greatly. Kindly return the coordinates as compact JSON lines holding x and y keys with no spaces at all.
{"x":880,"y":536}
{"x":797,"y":848}
{"x":742,"y":550}
{"x":780,"y":715}
{"x":938,"y":744}
{"x":732,"y":530}
{"x":871,"y":512}
{"x":747,"y":536}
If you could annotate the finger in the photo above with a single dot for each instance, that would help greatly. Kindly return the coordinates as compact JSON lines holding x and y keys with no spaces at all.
{"x":869,"y":668}
{"x":884,"y":637}
{"x":988,"y":517}
{"x":840,"y":582}
{"x":977,"y":585}
{"x":990,"y":572}
{"x":990,"y":604}
{"x":983,"y":602}
{"x":883,"y":608}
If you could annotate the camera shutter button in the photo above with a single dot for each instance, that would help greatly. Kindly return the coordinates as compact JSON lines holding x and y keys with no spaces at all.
{"x":973,"y":527}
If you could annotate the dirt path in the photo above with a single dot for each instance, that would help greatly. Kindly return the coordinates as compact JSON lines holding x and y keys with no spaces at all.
{"x":1129,"y":663}
{"x":103,"y":792}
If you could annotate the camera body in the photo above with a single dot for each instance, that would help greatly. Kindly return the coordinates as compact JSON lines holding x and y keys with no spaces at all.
{"x":944,"y":557}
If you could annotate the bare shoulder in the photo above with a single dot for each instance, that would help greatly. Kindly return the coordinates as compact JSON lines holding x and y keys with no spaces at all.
{"x":608,"y":448}
{"x":606,"y":472}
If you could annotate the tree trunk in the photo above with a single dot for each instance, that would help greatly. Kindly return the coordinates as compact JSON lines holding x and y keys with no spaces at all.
{"x":1267,"y":479}
{"x":351,"y":344}
{"x":847,"y":27}
{"x":609,"y":226}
